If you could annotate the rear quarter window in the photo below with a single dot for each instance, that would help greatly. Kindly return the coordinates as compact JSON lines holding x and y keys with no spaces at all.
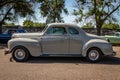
{"x":73,"y":31}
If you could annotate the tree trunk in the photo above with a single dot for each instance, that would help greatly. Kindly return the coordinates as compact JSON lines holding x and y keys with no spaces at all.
{"x":1,"y":22}
{"x":99,"y":30}
{"x":54,"y":19}
{"x":0,"y":29}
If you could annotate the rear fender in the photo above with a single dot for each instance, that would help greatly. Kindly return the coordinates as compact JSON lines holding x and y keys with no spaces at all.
{"x":93,"y":43}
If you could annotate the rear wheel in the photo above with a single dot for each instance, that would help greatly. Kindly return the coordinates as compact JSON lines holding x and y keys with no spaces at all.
{"x":20,"y":54}
{"x":94,"y":55}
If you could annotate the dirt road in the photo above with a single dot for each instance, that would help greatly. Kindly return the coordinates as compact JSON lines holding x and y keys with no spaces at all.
{"x":60,"y":68}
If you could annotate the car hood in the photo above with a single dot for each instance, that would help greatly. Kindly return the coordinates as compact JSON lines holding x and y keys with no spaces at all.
{"x":26,"y":35}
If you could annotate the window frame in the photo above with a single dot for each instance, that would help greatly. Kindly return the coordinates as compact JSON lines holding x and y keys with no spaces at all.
{"x":56,"y":27}
{"x":74,"y":29}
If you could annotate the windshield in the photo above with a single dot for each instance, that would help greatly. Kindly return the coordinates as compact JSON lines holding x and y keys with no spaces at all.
{"x":44,"y":29}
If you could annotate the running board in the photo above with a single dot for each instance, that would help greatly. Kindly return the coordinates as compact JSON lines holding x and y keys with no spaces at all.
{"x":61,"y":55}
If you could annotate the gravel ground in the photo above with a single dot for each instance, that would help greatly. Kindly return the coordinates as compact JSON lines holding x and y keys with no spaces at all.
{"x":60,"y":68}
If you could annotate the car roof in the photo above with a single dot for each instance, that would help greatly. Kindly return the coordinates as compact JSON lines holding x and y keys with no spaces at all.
{"x":63,"y":24}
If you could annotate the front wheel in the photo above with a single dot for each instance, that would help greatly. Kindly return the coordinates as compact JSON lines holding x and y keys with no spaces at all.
{"x":94,"y":55}
{"x":20,"y":54}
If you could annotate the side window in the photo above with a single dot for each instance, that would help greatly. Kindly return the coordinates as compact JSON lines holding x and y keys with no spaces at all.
{"x":56,"y":31}
{"x":49,"y":31}
{"x":73,"y":31}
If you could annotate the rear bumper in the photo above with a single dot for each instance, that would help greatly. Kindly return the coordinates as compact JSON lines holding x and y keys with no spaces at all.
{"x":112,"y":54}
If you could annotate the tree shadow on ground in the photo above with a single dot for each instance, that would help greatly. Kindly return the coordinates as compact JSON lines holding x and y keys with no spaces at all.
{"x":75,"y":60}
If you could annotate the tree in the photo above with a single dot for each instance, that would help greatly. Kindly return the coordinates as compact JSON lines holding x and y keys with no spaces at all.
{"x":9,"y":24}
{"x":28,"y":23}
{"x":99,"y":10}
{"x":88,"y":25}
{"x":36,"y":24}
{"x":110,"y":26}
{"x":52,"y":9}
{"x":13,"y":9}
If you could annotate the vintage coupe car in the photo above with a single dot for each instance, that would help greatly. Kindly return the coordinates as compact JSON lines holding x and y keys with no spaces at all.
{"x":8,"y":33}
{"x":59,"y":39}
{"x":113,"y":39}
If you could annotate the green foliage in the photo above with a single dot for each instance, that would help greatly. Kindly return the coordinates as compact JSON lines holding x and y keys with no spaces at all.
{"x":110,"y":26}
{"x":88,"y":25}
{"x":9,"y":24}
{"x":29,"y":23}
{"x":98,"y":10}
{"x":14,"y":9}
{"x":36,"y":24}
{"x":52,"y":9}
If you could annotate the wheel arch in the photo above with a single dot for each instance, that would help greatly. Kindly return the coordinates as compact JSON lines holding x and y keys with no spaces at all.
{"x":96,"y":52}
{"x":25,"y":53}
{"x":20,"y":46}
{"x":33,"y":46}
{"x":33,"y":50}
{"x":94,"y":47}
{"x":91,"y":44}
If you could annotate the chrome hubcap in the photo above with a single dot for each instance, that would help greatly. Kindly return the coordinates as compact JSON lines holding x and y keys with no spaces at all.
{"x":19,"y":54}
{"x":93,"y":55}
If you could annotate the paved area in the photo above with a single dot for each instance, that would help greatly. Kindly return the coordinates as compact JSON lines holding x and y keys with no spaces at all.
{"x":60,"y":68}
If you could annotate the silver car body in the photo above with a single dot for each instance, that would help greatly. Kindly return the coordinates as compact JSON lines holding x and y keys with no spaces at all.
{"x":68,"y":44}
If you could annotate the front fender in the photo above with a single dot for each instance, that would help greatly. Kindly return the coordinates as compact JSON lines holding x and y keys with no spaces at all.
{"x":33,"y":46}
{"x":101,"y":44}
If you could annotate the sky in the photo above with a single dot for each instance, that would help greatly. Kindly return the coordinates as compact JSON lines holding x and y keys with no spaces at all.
{"x":67,"y":18}
{"x":69,"y":5}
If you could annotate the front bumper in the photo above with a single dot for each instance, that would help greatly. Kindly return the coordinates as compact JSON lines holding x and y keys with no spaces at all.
{"x":7,"y":51}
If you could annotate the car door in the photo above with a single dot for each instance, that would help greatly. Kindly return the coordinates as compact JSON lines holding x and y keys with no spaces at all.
{"x":75,"y":41}
{"x":55,"y":41}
